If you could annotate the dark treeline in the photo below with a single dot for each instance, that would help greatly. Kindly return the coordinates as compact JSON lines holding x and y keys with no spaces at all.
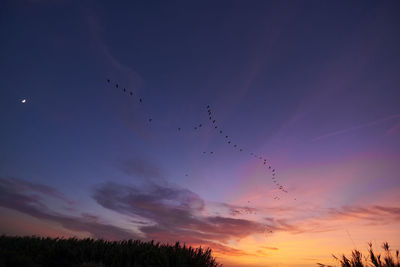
{"x":37,"y":251}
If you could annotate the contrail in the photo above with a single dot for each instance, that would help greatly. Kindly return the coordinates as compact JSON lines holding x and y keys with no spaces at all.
{"x":368,"y":124}
{"x":351,"y":239}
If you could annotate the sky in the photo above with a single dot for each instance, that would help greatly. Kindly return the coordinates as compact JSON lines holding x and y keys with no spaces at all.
{"x":310,"y":88}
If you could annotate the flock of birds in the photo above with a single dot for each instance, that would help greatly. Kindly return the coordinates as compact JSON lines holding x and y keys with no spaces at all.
{"x":213,"y":123}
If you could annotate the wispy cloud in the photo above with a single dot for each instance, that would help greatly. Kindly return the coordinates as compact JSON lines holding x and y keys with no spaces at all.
{"x":236,"y":210}
{"x":28,"y":198}
{"x":395,"y":129}
{"x":269,"y":248}
{"x":140,"y":167}
{"x":176,"y":213}
{"x":170,"y":213}
{"x":357,"y":127}
{"x":18,"y":185}
{"x":371,"y":214}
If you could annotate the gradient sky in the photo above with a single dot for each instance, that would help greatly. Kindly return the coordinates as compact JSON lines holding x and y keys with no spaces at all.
{"x":311,"y":86}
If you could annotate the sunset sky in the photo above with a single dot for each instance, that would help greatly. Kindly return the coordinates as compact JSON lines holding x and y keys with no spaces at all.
{"x":310,"y":87}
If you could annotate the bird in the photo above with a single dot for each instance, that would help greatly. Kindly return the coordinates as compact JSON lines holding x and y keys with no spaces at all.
{"x":108,"y":80}
{"x":216,"y":127}
{"x":208,"y":106}
{"x":211,"y":152}
{"x":220,"y":132}
{"x":116,"y":85}
{"x":241,"y":149}
{"x":210,"y":118}
{"x":229,"y":142}
{"x":200,"y":125}
{"x":131,"y":93}
{"x":213,"y":121}
{"x":140,"y":100}
{"x":226,"y":136}
{"x":179,"y":129}
{"x":235,"y":145}
{"x":269,"y":167}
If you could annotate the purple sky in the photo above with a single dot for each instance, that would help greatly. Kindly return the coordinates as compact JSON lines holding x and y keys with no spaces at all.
{"x":311,"y":86}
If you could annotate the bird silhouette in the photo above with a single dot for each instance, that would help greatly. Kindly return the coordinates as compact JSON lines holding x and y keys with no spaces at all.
{"x":140,"y":100}
{"x":200,"y":125}
{"x":116,"y":85}
{"x":213,"y":121}
{"x":108,"y":80}
{"x":131,"y":93}
{"x":220,"y":132}
{"x":216,"y":127}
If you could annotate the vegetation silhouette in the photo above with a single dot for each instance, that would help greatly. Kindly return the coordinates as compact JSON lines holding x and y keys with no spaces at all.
{"x":376,"y":260}
{"x":38,"y":251}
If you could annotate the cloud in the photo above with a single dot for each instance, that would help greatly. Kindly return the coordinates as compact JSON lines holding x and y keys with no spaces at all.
{"x":17,"y":185}
{"x":269,"y":248}
{"x":176,"y":213}
{"x":160,"y":212}
{"x":360,"y":126}
{"x":96,"y":30}
{"x":372,"y":214}
{"x":235,"y":210}
{"x":141,"y":168}
{"x":394,"y":130}
{"x":27,"y":198}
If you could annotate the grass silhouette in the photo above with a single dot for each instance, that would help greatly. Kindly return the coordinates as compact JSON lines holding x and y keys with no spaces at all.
{"x":376,"y":260}
{"x":37,"y":251}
